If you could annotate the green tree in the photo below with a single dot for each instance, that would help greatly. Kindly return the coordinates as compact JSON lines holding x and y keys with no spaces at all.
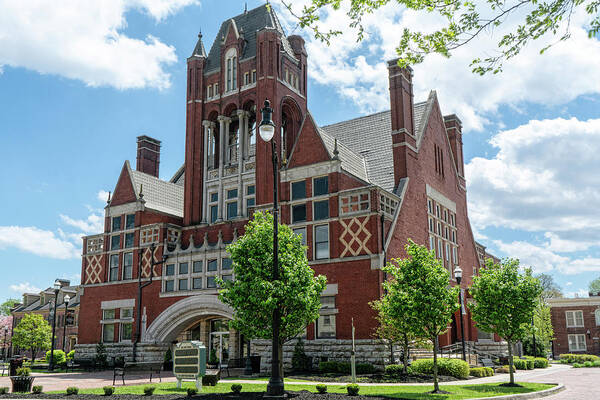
{"x":542,"y":327}
{"x":594,"y":286}
{"x":33,"y":333}
{"x":253,"y":294}
{"x":504,"y":300}
{"x":418,"y":298}
{"x":7,"y":305}
{"x":550,"y":289}
{"x":523,"y":20}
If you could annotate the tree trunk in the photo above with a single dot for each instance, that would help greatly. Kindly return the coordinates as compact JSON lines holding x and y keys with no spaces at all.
{"x":405,"y":352}
{"x":510,"y":363}
{"x":33,"y":355}
{"x":436,"y":386}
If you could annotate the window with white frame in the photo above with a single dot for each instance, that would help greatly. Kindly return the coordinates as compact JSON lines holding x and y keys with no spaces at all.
{"x":149,"y":235}
{"x":231,"y":69}
{"x":320,"y":210}
{"x":574,"y":319}
{"x":115,"y":242}
{"x":108,"y":333}
{"x":298,"y":190}
{"x":577,"y":342}
{"x":114,"y":268}
{"x":231,"y":204}
{"x":129,"y":240}
{"x":321,"y":240}
{"x":321,"y":186}
{"x":250,"y":196}
{"x":597,"y":317}
{"x":302,"y":233}
{"x":127,"y":266}
{"x":213,"y":207}
{"x":431,"y":243}
{"x":326,"y":326}
{"x":130,"y":221}
{"x":116,"y":224}
{"x":440,"y":250}
{"x":126,"y":329}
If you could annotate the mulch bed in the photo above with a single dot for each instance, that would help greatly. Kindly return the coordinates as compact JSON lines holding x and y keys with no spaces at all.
{"x":375,"y":378}
{"x":302,"y":395}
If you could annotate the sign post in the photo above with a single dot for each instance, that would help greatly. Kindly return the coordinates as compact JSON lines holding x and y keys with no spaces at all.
{"x":353,"y":356}
{"x":189,"y":362}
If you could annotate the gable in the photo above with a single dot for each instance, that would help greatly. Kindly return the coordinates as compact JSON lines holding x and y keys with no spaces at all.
{"x":124,"y":191}
{"x":309,"y":147}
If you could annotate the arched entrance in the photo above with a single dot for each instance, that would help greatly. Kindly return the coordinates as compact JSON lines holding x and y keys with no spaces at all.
{"x":201,"y":317}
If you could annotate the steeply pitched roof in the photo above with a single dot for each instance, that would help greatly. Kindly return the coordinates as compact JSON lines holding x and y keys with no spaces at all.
{"x":249,"y":23}
{"x":370,"y":137}
{"x":199,"y":50}
{"x":351,"y":162}
{"x":159,"y":195}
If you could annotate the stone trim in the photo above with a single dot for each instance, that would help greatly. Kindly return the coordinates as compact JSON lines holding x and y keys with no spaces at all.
{"x":110,"y":304}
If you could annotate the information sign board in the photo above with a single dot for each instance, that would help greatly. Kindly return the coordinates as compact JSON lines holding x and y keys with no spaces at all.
{"x":189,"y":362}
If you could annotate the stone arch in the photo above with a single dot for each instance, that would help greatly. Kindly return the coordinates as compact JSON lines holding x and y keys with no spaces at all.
{"x":291,"y":119}
{"x":230,"y":110}
{"x":178,"y":316}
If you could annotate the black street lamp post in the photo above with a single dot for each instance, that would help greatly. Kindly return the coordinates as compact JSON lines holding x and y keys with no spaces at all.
{"x":66,"y":301}
{"x":56,"y":290}
{"x":458,"y":276}
{"x":267,"y":130}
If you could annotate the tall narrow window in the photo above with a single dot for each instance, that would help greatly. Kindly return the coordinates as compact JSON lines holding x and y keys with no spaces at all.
{"x":321,"y":241}
{"x":234,"y":62}
{"x":228,"y":74}
{"x":127,"y":266}
{"x":114,"y":268}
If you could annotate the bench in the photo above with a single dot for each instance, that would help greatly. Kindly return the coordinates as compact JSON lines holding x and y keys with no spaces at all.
{"x":154,"y":368}
{"x":3,"y":368}
{"x":487,"y":362}
{"x":70,"y":364}
{"x":88,"y":364}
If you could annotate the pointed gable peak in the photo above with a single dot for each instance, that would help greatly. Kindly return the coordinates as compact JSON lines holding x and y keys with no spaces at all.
{"x":199,"y":50}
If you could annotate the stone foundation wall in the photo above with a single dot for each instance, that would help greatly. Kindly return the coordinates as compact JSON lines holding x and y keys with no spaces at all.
{"x":370,"y":351}
{"x":145,"y":351}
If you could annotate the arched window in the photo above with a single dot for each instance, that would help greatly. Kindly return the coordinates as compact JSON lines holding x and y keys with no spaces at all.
{"x":231,"y":70}
{"x":598,"y":317}
{"x":232,"y":143}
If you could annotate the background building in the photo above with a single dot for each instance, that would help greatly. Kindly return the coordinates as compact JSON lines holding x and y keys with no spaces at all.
{"x":43,"y":303}
{"x":576,"y":324}
{"x":355,"y":191}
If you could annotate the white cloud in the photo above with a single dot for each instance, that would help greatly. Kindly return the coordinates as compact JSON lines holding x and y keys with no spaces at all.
{"x":94,"y":223}
{"x":83,"y":40}
{"x":37,"y":241}
{"x":103,"y":196}
{"x":543,"y":179}
{"x":25,"y":287}
{"x":528,"y":77}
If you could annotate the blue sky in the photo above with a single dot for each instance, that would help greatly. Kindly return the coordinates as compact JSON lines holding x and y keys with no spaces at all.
{"x":77,"y":88}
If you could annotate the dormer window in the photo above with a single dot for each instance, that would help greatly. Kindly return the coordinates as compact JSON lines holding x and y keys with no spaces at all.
{"x":231,"y":70}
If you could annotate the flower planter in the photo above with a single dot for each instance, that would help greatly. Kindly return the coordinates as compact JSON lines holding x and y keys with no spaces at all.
{"x":21,"y":384}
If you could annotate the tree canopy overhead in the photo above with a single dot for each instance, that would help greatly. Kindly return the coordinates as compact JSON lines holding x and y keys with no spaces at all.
{"x":522,"y":21}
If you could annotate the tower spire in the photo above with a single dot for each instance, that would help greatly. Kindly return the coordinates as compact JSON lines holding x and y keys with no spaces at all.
{"x":199,"y":50}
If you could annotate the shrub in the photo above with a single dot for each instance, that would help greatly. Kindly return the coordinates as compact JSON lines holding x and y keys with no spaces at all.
{"x":446,"y":366}
{"x":596,"y":363}
{"x":59,"y":357}
{"x":23,"y":371}
{"x":37,"y":389}
{"x":108,"y":390}
{"x":212,"y":358}
{"x":101,"y":355}
{"x":71,"y":355}
{"x":210,"y":380}
{"x":394,"y":370}
{"x":587,"y":364}
{"x":300,"y":361}
{"x":149,"y":390}
{"x":530,"y":364}
{"x":520,"y":364}
{"x":577,"y":365}
{"x":352,"y":389}
{"x":322,"y":388}
{"x":540,"y":362}
{"x":365,"y":368}
{"x":481,"y":372}
{"x":578,"y":358}
{"x":72,"y":390}
{"x":192,"y":391}
{"x":236,"y":388}
{"x":3,"y":390}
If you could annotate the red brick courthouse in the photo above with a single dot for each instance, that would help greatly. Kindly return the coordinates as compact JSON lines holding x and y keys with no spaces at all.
{"x":355,"y":191}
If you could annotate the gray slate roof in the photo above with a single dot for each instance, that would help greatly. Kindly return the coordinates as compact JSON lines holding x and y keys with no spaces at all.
{"x":370,"y":137}
{"x":159,"y":195}
{"x":249,"y":23}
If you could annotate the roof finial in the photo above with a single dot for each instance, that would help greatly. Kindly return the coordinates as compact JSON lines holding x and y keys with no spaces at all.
{"x":200,"y":34}
{"x":246,"y":8}
{"x":108,"y":200}
{"x":335,"y":150}
{"x":141,"y":192}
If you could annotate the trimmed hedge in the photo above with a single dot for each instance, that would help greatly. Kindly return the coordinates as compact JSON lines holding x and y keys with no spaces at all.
{"x":37,"y":389}
{"x":540,"y":362}
{"x":72,"y":390}
{"x":481,"y":372}
{"x":446,"y":366}
{"x":504,"y":369}
{"x":341,"y":367}
{"x":322,"y":389}
{"x":59,"y":357}
{"x":108,"y":390}
{"x":394,"y":370}
{"x":522,"y":364}
{"x":578,"y":358}
{"x":149,"y":390}
{"x":352,"y":389}
{"x":236,"y":388}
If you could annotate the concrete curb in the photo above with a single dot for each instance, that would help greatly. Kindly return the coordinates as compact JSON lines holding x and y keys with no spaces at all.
{"x":534,"y":395}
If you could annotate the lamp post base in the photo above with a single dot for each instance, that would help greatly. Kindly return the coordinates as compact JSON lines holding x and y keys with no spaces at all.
{"x":275,"y":390}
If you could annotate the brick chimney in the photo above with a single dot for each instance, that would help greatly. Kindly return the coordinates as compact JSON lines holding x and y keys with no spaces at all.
{"x":402,"y":117}
{"x":148,"y":155}
{"x":454,"y":132}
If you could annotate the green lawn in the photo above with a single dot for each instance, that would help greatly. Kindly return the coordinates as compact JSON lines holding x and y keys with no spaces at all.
{"x":405,"y":392}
